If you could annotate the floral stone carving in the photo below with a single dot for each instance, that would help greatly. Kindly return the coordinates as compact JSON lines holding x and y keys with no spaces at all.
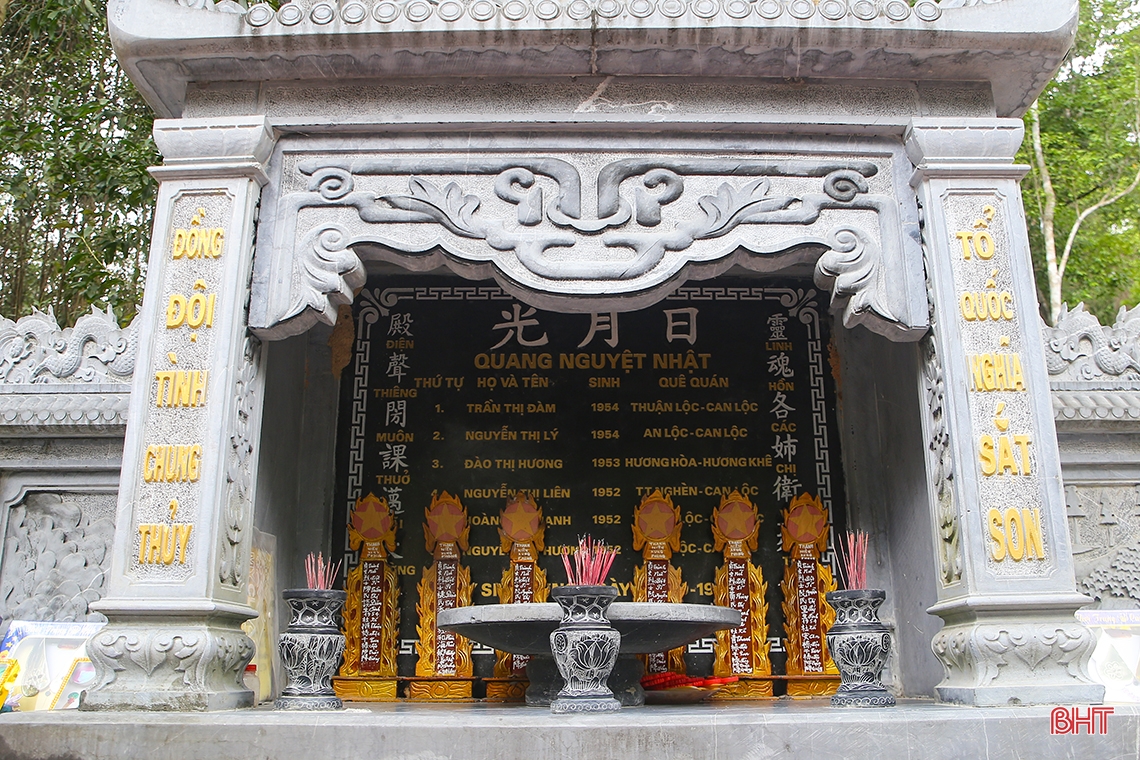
{"x":195,"y":666}
{"x":56,"y":552}
{"x":859,"y":643}
{"x":311,"y":649}
{"x":585,"y":648}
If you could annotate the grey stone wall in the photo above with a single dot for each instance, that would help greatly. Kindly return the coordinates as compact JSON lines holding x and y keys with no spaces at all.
{"x":1095,"y":378}
{"x":63,"y":401}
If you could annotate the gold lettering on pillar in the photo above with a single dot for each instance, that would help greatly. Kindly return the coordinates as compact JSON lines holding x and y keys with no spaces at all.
{"x":170,"y":463}
{"x":180,"y":388}
{"x":996,"y":372}
{"x":1005,"y":453}
{"x":162,"y":543}
{"x":190,"y":311}
{"x":1015,"y":534}
{"x":1005,"y":440}
{"x":196,"y":241}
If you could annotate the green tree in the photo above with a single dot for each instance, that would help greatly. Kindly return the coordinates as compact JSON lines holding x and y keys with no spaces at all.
{"x":1084,"y":146}
{"x":75,"y":199}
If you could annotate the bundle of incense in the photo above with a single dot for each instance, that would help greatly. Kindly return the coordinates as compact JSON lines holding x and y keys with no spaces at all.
{"x":592,"y":562}
{"x":320,"y":573}
{"x":853,"y":560}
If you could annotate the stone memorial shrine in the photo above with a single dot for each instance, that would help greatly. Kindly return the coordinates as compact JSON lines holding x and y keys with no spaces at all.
{"x":436,"y":289}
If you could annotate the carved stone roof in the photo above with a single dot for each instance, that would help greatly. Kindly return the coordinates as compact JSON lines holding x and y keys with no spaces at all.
{"x":34,"y":350}
{"x":406,"y":13}
{"x":73,"y":381}
{"x":1094,"y":370}
{"x":1015,"y":45}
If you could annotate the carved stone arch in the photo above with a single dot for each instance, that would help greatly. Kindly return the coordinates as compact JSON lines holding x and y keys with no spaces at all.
{"x":574,"y":228}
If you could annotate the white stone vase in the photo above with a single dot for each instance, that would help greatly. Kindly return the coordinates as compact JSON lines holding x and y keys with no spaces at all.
{"x":859,"y":643}
{"x":311,"y":649}
{"x":585,"y":648}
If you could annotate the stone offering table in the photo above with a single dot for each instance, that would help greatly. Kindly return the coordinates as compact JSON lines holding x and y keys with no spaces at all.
{"x":645,"y":627}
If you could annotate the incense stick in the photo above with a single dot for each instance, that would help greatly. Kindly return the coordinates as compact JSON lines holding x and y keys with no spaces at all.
{"x":319,"y":572}
{"x":853,"y":560}
{"x":592,"y":562}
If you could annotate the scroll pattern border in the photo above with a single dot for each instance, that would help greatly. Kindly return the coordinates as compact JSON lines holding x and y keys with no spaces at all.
{"x":639,"y":240}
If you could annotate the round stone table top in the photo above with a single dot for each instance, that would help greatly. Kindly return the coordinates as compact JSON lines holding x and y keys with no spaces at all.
{"x":644,"y":626}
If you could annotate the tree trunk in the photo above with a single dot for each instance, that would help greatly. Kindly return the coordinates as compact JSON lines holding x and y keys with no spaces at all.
{"x":1048,"y":217}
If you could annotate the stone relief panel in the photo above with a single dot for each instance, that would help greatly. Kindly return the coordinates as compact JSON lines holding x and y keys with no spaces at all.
{"x":941,"y":464}
{"x":34,"y":349}
{"x":239,"y":475}
{"x":56,"y":551}
{"x":578,"y":230}
{"x":1104,"y":524}
{"x":939,"y":452}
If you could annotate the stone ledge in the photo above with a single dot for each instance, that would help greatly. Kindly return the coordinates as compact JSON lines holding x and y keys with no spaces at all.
{"x":29,"y":411}
{"x":784,"y":729}
{"x":1096,"y":405}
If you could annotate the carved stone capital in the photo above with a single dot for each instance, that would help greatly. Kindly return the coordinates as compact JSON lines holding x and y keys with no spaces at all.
{"x":1018,"y":655}
{"x":962,"y":144}
{"x":187,"y":667}
{"x":225,"y":146}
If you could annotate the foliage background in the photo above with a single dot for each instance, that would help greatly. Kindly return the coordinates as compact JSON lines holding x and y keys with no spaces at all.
{"x":76,"y":201}
{"x":1090,"y":119}
{"x":75,"y":198}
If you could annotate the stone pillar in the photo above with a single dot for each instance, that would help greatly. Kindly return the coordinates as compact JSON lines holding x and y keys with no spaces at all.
{"x":1007,"y":593}
{"x":177,"y":591}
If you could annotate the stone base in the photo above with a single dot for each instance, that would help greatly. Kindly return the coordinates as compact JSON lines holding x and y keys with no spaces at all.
{"x":862,"y":697}
{"x":165,"y":700}
{"x":365,"y":688}
{"x":625,"y":681}
{"x":1016,"y":651}
{"x":564,"y":705}
{"x":308,"y":703}
{"x":506,"y":689}
{"x":785,"y":729}
{"x":748,"y":688}
{"x":809,"y":687}
{"x":193,"y":666}
{"x":1014,"y":696}
{"x":544,"y":679}
{"x":439,"y":689}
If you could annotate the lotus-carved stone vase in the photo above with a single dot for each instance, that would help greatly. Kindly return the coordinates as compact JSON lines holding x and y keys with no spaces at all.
{"x":859,"y":643}
{"x":311,"y":649}
{"x":585,"y":648}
